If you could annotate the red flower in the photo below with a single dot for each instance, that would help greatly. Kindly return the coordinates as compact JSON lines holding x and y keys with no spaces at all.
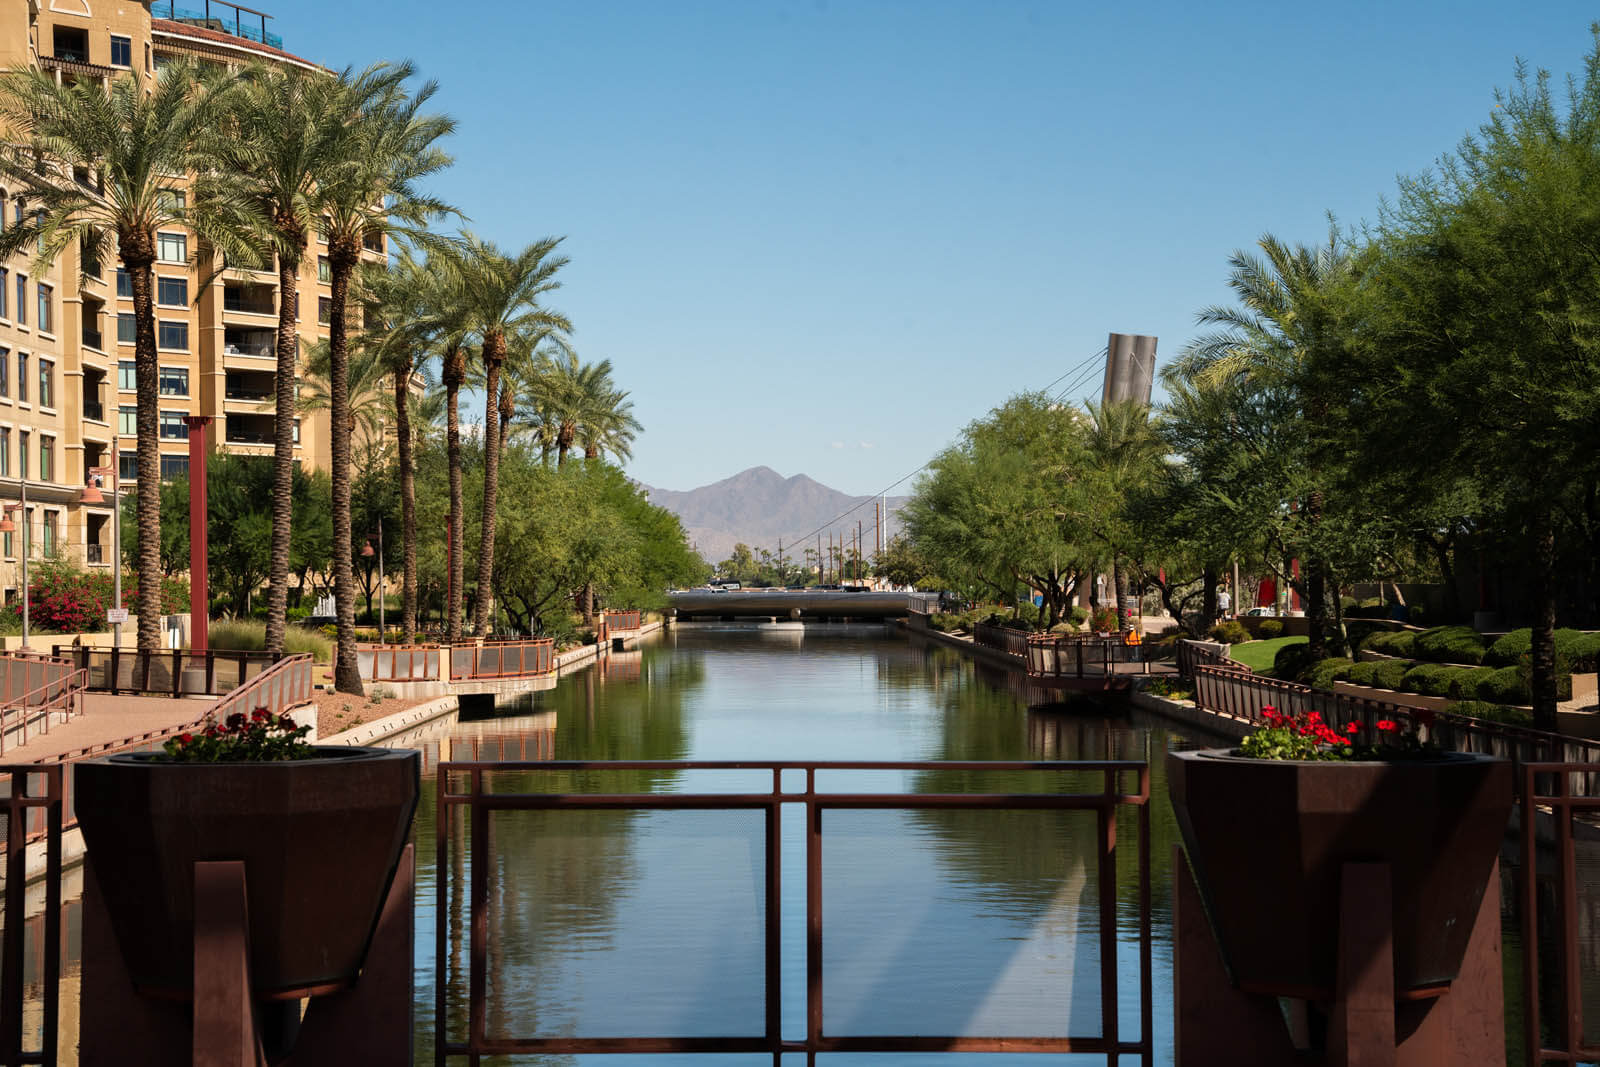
{"x":1350,"y":727}
{"x":186,"y":738}
{"x":1387,"y":725}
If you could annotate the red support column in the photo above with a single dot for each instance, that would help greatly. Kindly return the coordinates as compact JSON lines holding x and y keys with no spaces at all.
{"x":199,"y":589}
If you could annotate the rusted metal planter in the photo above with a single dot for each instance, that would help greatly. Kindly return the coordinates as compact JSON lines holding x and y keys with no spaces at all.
{"x":1268,"y":839}
{"x":320,"y":839}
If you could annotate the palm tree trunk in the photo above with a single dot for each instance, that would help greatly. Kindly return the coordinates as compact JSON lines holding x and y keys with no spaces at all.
{"x":138,"y":254}
{"x":494,"y":353}
{"x":283,"y":453}
{"x":453,"y":375}
{"x":1316,"y":588}
{"x":343,"y":255}
{"x":508,"y":408}
{"x":408,"y":499}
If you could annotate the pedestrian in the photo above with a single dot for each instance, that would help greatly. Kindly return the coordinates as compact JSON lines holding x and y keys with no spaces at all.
{"x":1224,"y":603}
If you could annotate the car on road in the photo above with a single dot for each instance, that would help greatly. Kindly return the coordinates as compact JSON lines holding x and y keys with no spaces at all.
{"x":1262,"y":613}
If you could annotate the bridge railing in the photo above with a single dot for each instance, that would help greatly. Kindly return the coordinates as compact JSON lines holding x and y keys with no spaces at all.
{"x":522,"y":658}
{"x":175,"y":672}
{"x":398,"y":663}
{"x":471,"y":995}
{"x":1192,"y":654}
{"x":1056,"y":656}
{"x":621,"y":620}
{"x":1002,"y":639}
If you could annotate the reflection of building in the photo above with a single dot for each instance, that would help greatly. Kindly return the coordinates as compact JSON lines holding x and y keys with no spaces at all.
{"x":66,"y":346}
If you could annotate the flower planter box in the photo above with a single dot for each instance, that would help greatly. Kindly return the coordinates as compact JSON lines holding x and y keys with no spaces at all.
{"x":1268,"y":840}
{"x":319,"y":838}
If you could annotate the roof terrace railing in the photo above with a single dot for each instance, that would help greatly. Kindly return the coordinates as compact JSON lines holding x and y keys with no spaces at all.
{"x":242,"y":22}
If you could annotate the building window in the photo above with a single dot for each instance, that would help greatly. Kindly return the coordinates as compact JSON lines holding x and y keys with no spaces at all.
{"x":22,"y":300}
{"x":174,"y":381}
{"x":22,"y":376}
{"x":47,"y":383}
{"x":47,"y":458}
{"x":172,"y":201}
{"x":324,"y":310}
{"x":124,"y":284}
{"x":127,"y":330}
{"x":128,"y":466}
{"x":173,"y":428}
{"x":127,"y":376}
{"x":11,"y":553}
{"x":121,"y":51}
{"x":46,"y":308}
{"x":324,"y":272}
{"x":5,"y":452}
{"x":22,"y":452}
{"x":173,"y":335}
{"x":5,"y":372}
{"x":49,"y":535}
{"x":172,"y":292}
{"x":173,"y":467}
{"x":4,"y":282}
{"x":172,"y":247}
{"x":296,"y":431}
{"x":127,"y":421}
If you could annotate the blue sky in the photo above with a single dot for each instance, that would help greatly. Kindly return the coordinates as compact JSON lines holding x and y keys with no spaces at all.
{"x":824,"y":236}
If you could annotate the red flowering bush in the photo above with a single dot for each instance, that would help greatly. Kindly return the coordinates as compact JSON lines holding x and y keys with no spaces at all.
{"x":63,"y":599}
{"x":1307,"y":737}
{"x":260,"y":737}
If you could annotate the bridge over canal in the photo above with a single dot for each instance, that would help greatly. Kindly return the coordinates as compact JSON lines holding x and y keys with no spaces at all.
{"x":813,"y":604}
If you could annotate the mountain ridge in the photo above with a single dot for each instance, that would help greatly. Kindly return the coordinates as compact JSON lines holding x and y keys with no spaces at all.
{"x":758,"y":505}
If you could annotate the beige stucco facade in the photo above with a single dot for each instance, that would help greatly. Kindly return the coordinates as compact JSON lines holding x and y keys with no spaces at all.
{"x":66,"y":352}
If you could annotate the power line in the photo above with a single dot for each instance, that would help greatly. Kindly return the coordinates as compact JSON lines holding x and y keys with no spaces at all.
{"x":1085,"y":371}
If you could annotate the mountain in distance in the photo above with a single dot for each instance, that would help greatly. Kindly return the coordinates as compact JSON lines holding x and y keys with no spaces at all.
{"x":759,"y":505}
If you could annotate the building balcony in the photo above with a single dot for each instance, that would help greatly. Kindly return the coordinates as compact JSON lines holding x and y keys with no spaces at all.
{"x":248,"y":300}
{"x":249,"y":429}
{"x":241,"y":342}
{"x":93,"y":339}
{"x":94,"y":411}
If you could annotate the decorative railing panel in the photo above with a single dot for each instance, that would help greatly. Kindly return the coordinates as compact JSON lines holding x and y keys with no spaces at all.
{"x":1001,"y":639}
{"x":622,"y":620}
{"x":523,"y":658}
{"x":175,"y":672}
{"x":398,"y":663}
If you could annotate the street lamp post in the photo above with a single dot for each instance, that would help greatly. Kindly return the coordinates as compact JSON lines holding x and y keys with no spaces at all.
{"x":7,"y":526}
{"x":91,"y":495}
{"x":366,"y":550}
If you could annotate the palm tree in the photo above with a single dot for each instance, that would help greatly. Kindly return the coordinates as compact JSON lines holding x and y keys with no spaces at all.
{"x":610,"y":428}
{"x":399,"y":326}
{"x":372,"y":194}
{"x":446,"y":308}
{"x":1124,"y":451}
{"x":502,"y":293}
{"x":577,"y":393}
{"x":291,"y":130}
{"x":98,"y":166}
{"x":1288,"y":317}
{"x":369,"y":409}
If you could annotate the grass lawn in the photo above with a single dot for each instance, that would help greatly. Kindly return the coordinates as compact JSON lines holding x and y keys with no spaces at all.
{"x":1258,"y":655}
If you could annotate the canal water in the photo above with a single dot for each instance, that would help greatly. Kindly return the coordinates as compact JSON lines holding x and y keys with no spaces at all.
{"x":949,"y":923}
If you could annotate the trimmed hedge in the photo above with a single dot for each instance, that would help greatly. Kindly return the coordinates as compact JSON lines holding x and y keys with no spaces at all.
{"x":1451,"y":644}
{"x":1575,"y":650}
{"x":1267,"y":629}
{"x":1362,"y":673}
{"x":1391,"y":673}
{"x":1401,"y":643}
{"x":1291,"y":660}
{"x":1429,"y":679}
{"x":1324,"y":674}
{"x":1490,"y":712}
{"x":1505,"y":686}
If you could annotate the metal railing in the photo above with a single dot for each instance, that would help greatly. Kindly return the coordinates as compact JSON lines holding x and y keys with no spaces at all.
{"x":465,"y":787}
{"x":1241,"y":696}
{"x":398,"y":663}
{"x":622,"y":620}
{"x":93,"y":339}
{"x":1055,"y":657}
{"x":248,"y":437}
{"x":249,"y":348}
{"x":1002,"y":639}
{"x":284,"y":685}
{"x":34,"y":795}
{"x":1192,"y":654}
{"x":247,"y":307}
{"x":519,"y":658}
{"x":59,"y":695}
{"x":1556,"y":796}
{"x":220,"y":21}
{"x":178,"y":672}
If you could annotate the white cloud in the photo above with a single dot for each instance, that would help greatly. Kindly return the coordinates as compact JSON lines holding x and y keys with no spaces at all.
{"x":837,"y":444}
{"x":867,"y":444}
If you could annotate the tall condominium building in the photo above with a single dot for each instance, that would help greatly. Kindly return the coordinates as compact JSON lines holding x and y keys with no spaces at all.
{"x":66,"y":335}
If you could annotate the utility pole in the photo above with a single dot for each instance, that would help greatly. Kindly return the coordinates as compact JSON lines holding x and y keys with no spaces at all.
{"x":861,"y":570}
{"x":820,"y":579}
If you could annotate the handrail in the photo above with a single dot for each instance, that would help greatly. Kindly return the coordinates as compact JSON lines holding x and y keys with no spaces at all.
{"x":1002,"y":639}
{"x":522,"y":658}
{"x":382,"y":663}
{"x":180,"y":663}
{"x":622,"y":620}
{"x":68,"y":691}
{"x":462,"y":938}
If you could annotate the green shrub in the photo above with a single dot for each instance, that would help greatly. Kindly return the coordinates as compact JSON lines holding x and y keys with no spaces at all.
{"x":1077,"y":615}
{"x":1504,"y":686}
{"x":1267,"y":629}
{"x":249,"y":635}
{"x":1450,"y":644}
{"x":1362,"y":673}
{"x":1391,"y":673}
{"x":1429,"y":679}
{"x":1324,"y":674}
{"x":1171,"y":688}
{"x":1575,"y":650}
{"x":1400,"y":643}
{"x":1464,"y":684}
{"x":1230,"y":633}
{"x":298,"y":639}
{"x":1586,"y":653}
{"x":1291,"y":660}
{"x":1482,"y":709}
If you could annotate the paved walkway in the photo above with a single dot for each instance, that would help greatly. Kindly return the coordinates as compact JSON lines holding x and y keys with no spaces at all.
{"x":107,"y":719}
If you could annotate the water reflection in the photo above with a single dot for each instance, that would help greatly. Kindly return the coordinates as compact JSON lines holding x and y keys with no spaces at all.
{"x":937,"y":922}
